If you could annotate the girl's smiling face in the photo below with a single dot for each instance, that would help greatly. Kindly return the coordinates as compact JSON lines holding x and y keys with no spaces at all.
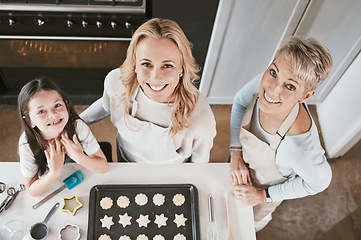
{"x":280,"y":89}
{"x":48,"y":112}
{"x":158,"y":67}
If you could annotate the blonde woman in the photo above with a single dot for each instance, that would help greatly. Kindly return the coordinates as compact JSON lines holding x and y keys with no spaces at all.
{"x":159,"y":115}
{"x":275,"y":148}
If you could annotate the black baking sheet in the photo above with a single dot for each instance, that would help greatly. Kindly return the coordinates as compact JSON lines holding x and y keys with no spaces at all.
{"x":190,"y":210}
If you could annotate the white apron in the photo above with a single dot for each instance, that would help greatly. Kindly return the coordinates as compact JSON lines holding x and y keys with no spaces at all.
{"x":145,"y":142}
{"x":260,"y":157}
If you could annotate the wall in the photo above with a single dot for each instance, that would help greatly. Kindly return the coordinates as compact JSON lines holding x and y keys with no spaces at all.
{"x":340,"y":113}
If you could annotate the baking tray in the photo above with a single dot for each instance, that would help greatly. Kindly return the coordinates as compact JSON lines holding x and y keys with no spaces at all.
{"x":190,"y":210}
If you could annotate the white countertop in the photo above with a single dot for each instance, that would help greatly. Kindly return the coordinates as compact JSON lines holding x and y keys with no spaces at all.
{"x":208,"y":178}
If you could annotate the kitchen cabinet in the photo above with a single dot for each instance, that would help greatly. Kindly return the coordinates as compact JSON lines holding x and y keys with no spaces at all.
{"x":247,"y":33}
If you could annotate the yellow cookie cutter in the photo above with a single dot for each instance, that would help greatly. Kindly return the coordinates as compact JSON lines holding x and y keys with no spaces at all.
{"x":66,"y":207}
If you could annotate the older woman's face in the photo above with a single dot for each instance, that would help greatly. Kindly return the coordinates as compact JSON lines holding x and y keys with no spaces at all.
{"x":280,"y":89}
{"x":158,"y":67}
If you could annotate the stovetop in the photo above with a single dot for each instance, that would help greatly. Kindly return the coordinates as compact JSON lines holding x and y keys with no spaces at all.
{"x":56,"y":19}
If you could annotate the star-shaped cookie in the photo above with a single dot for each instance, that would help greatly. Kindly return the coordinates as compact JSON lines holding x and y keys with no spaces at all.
{"x":124,"y":219}
{"x":107,"y":221}
{"x":180,"y":220}
{"x":160,"y":220}
{"x":143,"y":220}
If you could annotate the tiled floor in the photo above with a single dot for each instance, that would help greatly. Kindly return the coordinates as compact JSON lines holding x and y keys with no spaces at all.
{"x":334,"y":214}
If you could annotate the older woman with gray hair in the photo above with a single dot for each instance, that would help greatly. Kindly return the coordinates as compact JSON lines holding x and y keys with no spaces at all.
{"x":275,"y":148}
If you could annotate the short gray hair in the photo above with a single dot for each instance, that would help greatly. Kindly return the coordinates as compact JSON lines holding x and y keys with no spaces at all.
{"x":310,"y":60}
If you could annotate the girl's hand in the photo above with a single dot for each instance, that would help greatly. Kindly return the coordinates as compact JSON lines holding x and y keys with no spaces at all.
{"x":56,"y":158}
{"x":249,"y":195}
{"x":238,"y":169}
{"x":72,"y":148}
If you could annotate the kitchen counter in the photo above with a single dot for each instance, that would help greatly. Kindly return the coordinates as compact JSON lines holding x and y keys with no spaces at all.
{"x":233,"y":223}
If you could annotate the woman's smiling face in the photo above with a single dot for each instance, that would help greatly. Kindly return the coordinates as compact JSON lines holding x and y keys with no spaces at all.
{"x":158,"y":67}
{"x":280,"y":89}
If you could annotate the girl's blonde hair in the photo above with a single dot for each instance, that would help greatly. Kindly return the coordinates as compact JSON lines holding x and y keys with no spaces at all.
{"x":311,"y":61}
{"x":185,"y":94}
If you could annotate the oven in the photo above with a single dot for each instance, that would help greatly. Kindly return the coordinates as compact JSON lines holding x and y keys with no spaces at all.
{"x":73,"y":42}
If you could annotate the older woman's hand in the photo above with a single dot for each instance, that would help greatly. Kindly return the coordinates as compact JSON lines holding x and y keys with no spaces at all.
{"x":249,"y":195}
{"x":238,"y":169}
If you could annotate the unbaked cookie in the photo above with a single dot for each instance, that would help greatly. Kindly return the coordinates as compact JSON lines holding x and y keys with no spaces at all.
{"x":160,"y":220}
{"x":158,"y":199}
{"x":104,"y":237}
{"x":179,"y":236}
{"x":178,"y":199}
{"x":158,"y":237}
{"x":124,"y":237}
{"x":106,"y":203}
{"x":142,"y":237}
{"x":141,"y":199}
{"x":143,"y":220}
{"x":124,"y":219}
{"x":180,"y":220}
{"x":107,"y":221}
{"x":123,"y":201}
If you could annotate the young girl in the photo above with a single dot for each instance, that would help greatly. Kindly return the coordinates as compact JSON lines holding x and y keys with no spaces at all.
{"x":50,"y":122}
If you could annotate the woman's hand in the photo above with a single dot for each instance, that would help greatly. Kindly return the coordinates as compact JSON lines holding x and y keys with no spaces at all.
{"x":55,"y":159}
{"x":72,"y":148}
{"x":249,"y":195}
{"x":238,"y":169}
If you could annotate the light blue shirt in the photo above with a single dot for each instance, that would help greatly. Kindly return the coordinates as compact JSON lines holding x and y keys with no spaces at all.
{"x":300,"y":158}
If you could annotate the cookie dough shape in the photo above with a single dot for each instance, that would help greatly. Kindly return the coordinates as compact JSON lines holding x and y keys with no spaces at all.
{"x":158,"y":199}
{"x":106,"y":203}
{"x":142,"y":237}
{"x":158,"y":237}
{"x":179,"y":236}
{"x":125,"y":219}
{"x":123,"y":202}
{"x":124,"y":237}
{"x":180,"y":220}
{"x":104,"y":237}
{"x":161,"y":220}
{"x":143,"y":220}
{"x":141,"y":199}
{"x":107,"y":221}
{"x":179,"y":199}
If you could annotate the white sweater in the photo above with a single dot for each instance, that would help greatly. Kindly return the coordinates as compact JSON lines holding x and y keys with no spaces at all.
{"x":194,"y":142}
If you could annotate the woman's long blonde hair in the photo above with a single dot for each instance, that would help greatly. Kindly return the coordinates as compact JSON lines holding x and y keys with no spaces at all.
{"x":185,"y":94}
